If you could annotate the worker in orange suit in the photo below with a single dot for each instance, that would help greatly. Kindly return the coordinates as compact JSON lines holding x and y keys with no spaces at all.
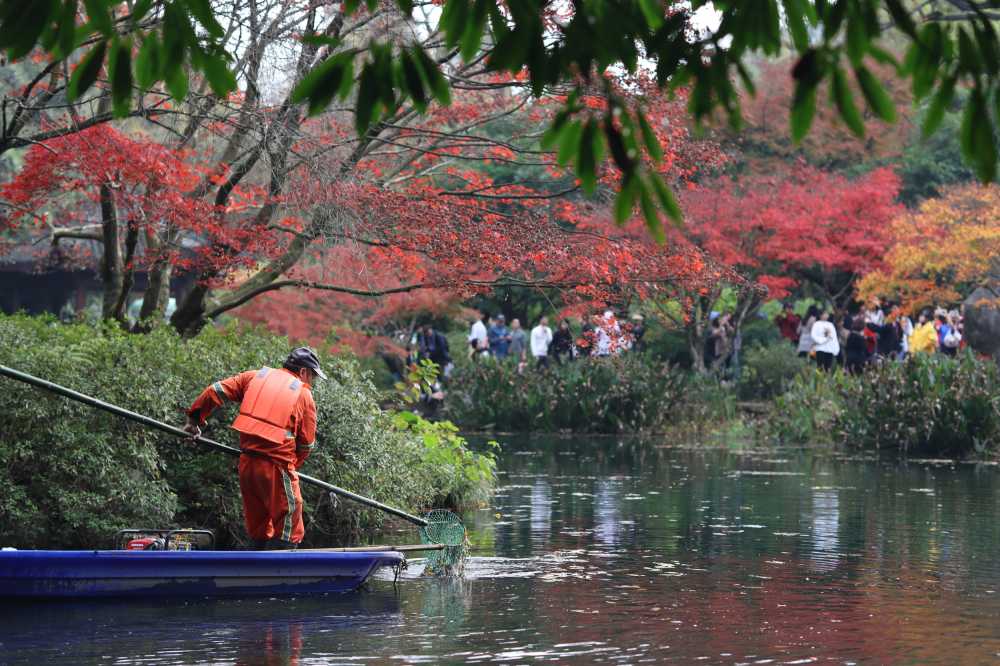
{"x":277,"y":426}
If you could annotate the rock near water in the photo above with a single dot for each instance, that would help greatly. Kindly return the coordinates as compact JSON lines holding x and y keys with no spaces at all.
{"x":982,"y":320}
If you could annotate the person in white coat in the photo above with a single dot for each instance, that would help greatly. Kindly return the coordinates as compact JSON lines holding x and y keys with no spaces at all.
{"x":478,"y":341}
{"x":806,"y":343}
{"x":541,"y":338}
{"x":826,"y":343}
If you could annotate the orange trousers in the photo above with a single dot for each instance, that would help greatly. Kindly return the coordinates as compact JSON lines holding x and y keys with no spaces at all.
{"x":272,"y":502}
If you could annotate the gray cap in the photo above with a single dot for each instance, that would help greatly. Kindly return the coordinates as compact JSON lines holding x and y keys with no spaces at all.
{"x":303,"y":357}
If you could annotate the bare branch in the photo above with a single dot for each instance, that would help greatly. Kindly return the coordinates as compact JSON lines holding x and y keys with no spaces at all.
{"x":11,"y":142}
{"x":476,"y":195}
{"x":84,"y":232}
{"x":308,"y":284}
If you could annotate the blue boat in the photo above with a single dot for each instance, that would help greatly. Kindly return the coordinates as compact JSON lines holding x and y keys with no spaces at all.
{"x":175,"y":573}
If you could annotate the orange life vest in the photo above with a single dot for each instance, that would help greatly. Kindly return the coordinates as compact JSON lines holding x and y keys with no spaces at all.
{"x":267,"y":405}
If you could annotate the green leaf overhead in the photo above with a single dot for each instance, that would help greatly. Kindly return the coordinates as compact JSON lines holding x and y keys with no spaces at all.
{"x":184,"y":43}
{"x":22,"y":25}
{"x":120,"y":66}
{"x":844,"y":100}
{"x":86,"y":72}
{"x":875,"y":95}
{"x":323,"y":83}
{"x":99,"y":15}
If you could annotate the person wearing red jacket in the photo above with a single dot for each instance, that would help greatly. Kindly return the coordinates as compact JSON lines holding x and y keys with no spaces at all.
{"x":788,"y":324}
{"x":277,"y":426}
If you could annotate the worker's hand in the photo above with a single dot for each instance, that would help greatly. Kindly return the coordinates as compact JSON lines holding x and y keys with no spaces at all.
{"x":192,"y":428}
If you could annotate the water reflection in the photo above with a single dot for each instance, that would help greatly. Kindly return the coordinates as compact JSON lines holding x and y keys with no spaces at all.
{"x":825,"y":527}
{"x":628,"y":552}
{"x":764,"y":556}
{"x":278,"y":644}
{"x":541,"y":513}
{"x":258,"y":631}
{"x":608,"y":512}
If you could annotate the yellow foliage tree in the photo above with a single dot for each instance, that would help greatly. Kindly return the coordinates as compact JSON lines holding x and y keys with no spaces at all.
{"x":942,"y":251}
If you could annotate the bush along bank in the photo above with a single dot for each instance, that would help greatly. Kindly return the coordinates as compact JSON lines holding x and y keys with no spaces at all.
{"x":72,"y":475}
{"x":928,"y":405}
{"x":615,"y":394}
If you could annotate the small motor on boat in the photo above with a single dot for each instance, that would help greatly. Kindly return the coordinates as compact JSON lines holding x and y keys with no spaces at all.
{"x":145,"y":543}
{"x":165,"y":539}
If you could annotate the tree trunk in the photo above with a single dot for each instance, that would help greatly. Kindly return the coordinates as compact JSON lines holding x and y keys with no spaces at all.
{"x":697,"y":329}
{"x":111,"y":262}
{"x":157,"y":296}
{"x":695,"y":347}
{"x":190,"y":316}
{"x":747,"y":305}
{"x":128,"y":271}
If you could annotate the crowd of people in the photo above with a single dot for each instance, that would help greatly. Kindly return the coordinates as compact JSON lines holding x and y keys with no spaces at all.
{"x":491,"y":338}
{"x":879,"y":332}
{"x":851,"y":339}
{"x":600,"y":335}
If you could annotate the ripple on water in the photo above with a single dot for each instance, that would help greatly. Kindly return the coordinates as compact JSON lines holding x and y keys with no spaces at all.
{"x":603,"y":554}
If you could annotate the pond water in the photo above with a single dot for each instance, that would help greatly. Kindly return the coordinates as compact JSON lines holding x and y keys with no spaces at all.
{"x":624,"y":552}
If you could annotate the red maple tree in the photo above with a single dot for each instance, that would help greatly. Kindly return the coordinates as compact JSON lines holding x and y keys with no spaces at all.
{"x":264,"y":199}
{"x":805,"y":231}
{"x":122,"y":202}
{"x":462,"y":214}
{"x":806,"y":227}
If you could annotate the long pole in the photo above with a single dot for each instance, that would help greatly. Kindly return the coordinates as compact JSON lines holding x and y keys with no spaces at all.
{"x":178,"y":432}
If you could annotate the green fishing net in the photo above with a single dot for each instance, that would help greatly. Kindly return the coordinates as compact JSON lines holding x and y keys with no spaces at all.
{"x":444,"y":528}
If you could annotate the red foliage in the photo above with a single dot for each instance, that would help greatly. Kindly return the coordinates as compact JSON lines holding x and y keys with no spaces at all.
{"x":357,"y":322}
{"x":451,"y":205}
{"x":782,"y":230}
{"x":420,"y":241}
{"x":470,"y":213}
{"x":58,"y":192}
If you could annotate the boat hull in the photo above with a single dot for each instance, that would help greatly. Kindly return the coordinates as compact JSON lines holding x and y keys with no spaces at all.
{"x":120,"y":573}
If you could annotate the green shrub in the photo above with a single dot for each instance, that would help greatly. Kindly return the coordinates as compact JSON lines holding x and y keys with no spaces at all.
{"x":767,"y":371}
{"x":707,"y":403}
{"x":457,"y":474}
{"x":625,"y":393}
{"x":73,"y":475}
{"x":761,"y":332}
{"x":929,"y":405}
{"x":668,"y":345}
{"x":806,"y":412}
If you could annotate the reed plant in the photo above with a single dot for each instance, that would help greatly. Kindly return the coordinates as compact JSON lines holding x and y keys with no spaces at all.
{"x":927,"y":405}
{"x":627,"y":393}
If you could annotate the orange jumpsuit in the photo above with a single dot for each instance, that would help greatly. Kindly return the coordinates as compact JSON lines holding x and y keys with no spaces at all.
{"x":272,"y":500}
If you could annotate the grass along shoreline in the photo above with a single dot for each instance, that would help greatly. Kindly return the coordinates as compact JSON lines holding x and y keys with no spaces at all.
{"x":928,"y":405}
